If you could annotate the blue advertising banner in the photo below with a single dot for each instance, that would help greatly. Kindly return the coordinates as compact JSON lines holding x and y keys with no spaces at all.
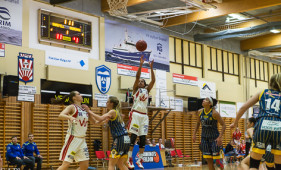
{"x":120,"y":45}
{"x":151,"y":157}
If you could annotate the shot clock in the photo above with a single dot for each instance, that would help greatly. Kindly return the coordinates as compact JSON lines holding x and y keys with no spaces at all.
{"x":64,"y":30}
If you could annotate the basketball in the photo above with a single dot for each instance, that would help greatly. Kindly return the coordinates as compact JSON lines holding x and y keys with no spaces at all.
{"x":141,"y":45}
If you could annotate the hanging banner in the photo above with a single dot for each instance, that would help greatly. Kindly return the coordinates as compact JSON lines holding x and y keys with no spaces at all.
{"x":176,"y":104}
{"x":227,"y":109}
{"x":11,"y":22}
{"x":132,"y":71}
{"x":25,"y":67}
{"x":2,"y":50}
{"x":207,"y":89}
{"x":120,"y":46}
{"x":184,"y":79}
{"x":25,"y":97}
{"x":102,"y":99}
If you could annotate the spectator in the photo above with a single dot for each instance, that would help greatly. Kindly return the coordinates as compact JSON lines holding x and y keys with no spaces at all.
{"x":161,"y":146}
{"x":242,"y":147}
{"x":15,"y":155}
{"x":153,"y":143}
{"x":148,"y":141}
{"x":29,"y":148}
{"x":1,"y":163}
{"x":229,"y":150}
{"x":236,"y":136}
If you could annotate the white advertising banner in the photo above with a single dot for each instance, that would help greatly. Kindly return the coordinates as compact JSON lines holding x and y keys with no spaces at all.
{"x":66,"y":60}
{"x":161,"y":83}
{"x":27,"y":89}
{"x":184,"y":79}
{"x":239,"y":105}
{"x":132,"y":71}
{"x":11,"y":22}
{"x":163,"y":102}
{"x":207,"y":89}
{"x":102,"y":99}
{"x":176,"y":104}
{"x":2,"y":50}
{"x":26,"y":97}
{"x":227,"y":109}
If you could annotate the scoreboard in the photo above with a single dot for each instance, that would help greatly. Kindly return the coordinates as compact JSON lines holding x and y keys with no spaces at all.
{"x":65,"y":30}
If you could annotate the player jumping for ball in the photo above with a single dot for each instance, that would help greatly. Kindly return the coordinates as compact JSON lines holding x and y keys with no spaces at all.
{"x":138,"y":118}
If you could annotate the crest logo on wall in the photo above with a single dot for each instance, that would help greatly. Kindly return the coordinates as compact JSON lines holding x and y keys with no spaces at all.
{"x":103,"y":78}
{"x":25,"y":67}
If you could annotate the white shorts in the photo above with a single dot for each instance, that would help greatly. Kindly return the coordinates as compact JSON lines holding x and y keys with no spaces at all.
{"x":74,"y":148}
{"x":138,"y":123}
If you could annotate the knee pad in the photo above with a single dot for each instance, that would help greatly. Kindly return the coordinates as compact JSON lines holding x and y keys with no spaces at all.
{"x":254,"y":163}
{"x":277,"y":166}
{"x":142,"y":141}
{"x":133,"y":139}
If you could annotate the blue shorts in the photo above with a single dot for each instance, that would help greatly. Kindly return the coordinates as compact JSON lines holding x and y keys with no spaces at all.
{"x":268,"y":158}
{"x":210,"y":149}
{"x":267,"y":131}
{"x":120,"y":147}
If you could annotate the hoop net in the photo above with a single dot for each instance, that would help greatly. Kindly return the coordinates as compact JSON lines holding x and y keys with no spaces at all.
{"x":117,"y":7}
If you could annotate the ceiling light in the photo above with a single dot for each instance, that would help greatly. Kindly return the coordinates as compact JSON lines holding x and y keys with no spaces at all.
{"x":275,"y":31}
{"x":238,"y":16}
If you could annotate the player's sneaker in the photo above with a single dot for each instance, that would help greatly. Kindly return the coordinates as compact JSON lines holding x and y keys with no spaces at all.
{"x":130,"y":163}
{"x":139,"y":163}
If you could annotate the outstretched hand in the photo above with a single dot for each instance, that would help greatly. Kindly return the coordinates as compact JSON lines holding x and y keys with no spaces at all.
{"x":151,"y":63}
{"x":142,"y":59}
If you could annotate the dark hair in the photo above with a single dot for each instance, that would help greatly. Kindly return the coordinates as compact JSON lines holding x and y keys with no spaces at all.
{"x":144,"y":82}
{"x":61,"y":101}
{"x":252,"y":120}
{"x":13,"y":137}
{"x":275,"y":82}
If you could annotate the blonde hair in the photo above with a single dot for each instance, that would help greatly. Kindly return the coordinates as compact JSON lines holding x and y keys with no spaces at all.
{"x":275,"y":82}
{"x":117,"y":107}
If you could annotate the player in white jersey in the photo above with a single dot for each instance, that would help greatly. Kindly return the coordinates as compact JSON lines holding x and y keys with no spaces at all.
{"x":138,"y":118}
{"x":75,"y":147}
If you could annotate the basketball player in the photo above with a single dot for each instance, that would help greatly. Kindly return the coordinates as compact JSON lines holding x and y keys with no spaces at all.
{"x":268,"y":127}
{"x":211,"y":139}
{"x":138,"y":119}
{"x":121,"y":139}
{"x":75,"y":147}
{"x":249,"y":134}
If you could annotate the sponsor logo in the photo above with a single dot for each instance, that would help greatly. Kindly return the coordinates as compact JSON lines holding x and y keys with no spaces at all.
{"x":4,"y":18}
{"x":149,"y":157}
{"x":205,"y":86}
{"x":135,"y":125}
{"x":103,"y":78}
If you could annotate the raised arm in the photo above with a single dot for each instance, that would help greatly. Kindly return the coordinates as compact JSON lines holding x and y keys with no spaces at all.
{"x":245,"y":107}
{"x":197,"y":125}
{"x":151,"y":84}
{"x":217,"y":116}
{"x":135,"y":87}
{"x":96,"y":118}
{"x":65,"y":114}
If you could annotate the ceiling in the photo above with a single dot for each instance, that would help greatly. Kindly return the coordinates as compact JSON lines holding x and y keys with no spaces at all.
{"x":213,"y":18}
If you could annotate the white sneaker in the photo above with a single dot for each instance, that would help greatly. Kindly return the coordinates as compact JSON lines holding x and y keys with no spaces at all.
{"x":130,"y":163}
{"x":139,"y":163}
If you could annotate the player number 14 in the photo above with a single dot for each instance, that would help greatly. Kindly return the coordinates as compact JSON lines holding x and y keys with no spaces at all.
{"x":275,"y":105}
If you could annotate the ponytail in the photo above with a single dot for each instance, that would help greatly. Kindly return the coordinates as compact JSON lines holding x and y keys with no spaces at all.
{"x":117,"y":107}
{"x":62,"y":100}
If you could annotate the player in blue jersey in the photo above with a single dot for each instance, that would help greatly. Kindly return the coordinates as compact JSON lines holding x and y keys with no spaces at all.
{"x":121,"y":139}
{"x":211,"y":138}
{"x":268,"y":127}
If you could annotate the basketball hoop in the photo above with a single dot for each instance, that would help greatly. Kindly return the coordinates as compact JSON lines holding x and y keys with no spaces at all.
{"x":117,"y":7}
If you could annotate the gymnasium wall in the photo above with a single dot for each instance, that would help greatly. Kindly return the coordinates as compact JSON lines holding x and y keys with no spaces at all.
{"x":234,"y":83}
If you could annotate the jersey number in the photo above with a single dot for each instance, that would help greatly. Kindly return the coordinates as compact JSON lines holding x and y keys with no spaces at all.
{"x":275,"y":105}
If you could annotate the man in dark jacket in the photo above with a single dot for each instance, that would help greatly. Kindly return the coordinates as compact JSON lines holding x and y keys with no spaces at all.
{"x":15,"y":156}
{"x":29,"y":148}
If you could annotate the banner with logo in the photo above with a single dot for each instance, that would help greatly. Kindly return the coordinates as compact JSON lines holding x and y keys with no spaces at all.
{"x":103,"y":78}
{"x":120,"y":46}
{"x":25,"y":67}
{"x":184,"y":79}
{"x":57,"y":90}
{"x":66,"y":60}
{"x":207,"y":89}
{"x":151,"y":157}
{"x":227,"y":109}
{"x":132,"y":71}
{"x":11,"y":22}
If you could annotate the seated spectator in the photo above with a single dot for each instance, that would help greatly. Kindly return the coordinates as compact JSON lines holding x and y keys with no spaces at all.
{"x":147,"y":141}
{"x":229,"y":150}
{"x":15,"y":155}
{"x":161,"y":146}
{"x":29,"y":148}
{"x":242,"y":147}
{"x":153,"y":143}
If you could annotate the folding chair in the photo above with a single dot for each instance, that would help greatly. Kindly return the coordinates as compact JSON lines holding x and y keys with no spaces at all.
{"x":180,"y":155}
{"x":173,"y":155}
{"x":108,"y":153}
{"x":101,"y":156}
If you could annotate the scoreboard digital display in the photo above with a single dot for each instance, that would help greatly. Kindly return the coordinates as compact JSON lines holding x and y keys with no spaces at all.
{"x":65,"y":30}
